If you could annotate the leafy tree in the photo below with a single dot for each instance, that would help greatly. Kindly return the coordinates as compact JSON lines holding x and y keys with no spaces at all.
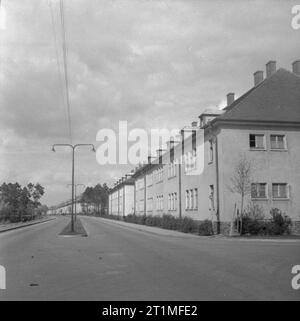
{"x":20,"y":202}
{"x":96,"y":196}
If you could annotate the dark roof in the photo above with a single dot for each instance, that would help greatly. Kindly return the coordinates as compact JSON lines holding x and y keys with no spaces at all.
{"x":128,"y":181}
{"x":277,"y":98}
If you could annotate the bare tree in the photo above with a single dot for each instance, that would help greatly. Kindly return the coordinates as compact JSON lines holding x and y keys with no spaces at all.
{"x":241,"y":182}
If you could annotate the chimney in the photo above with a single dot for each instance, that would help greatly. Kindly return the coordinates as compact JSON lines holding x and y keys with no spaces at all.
{"x":149,"y":159}
{"x":258,"y":77}
{"x":296,"y":67}
{"x":270,"y":68}
{"x":172,"y":143}
{"x":194,"y":124}
{"x":230,"y":99}
{"x":159,"y":152}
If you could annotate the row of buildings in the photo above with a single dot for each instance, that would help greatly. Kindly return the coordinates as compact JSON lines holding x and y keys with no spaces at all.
{"x":193,"y":176}
{"x":65,"y":208}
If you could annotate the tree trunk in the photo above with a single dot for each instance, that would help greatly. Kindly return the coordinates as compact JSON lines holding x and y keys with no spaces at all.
{"x":242,"y":210}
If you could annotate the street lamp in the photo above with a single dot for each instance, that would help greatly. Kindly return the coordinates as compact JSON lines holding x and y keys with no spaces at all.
{"x":75,"y":185}
{"x":73,"y":153}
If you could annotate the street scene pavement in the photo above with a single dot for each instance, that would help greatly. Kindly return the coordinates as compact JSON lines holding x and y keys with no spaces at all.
{"x":119,"y":261}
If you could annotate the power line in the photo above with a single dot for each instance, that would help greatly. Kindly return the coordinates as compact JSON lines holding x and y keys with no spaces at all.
{"x":58,"y":64}
{"x":64,"y":45}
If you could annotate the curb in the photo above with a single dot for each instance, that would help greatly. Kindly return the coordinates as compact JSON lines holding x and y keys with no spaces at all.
{"x":161,"y":231}
{"x":25,"y":225}
{"x":140,"y":228}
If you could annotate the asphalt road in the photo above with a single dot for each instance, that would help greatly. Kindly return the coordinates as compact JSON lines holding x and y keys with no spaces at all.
{"x":116,"y":262}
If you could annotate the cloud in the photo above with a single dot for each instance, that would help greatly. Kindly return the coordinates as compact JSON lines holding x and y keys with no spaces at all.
{"x":153,"y":63}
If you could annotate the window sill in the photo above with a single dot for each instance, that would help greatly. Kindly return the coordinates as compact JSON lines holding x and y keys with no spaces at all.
{"x":280,"y":199}
{"x":257,"y":149}
{"x":278,"y":149}
{"x":259,"y":199}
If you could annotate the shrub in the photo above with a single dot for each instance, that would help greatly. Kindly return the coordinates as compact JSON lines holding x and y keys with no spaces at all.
{"x":253,"y":220}
{"x":188,"y":225}
{"x":153,"y":221}
{"x":280,"y":223}
{"x":170,"y":222}
{"x":205,"y":228}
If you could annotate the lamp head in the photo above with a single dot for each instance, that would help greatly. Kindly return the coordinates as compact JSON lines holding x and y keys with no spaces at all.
{"x":53,"y":149}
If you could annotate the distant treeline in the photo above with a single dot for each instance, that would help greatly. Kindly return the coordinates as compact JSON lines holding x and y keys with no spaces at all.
{"x":21,"y":203}
{"x":94,"y":200}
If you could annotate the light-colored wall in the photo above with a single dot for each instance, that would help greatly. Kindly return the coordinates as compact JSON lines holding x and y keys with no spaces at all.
{"x":268,"y":166}
{"x":233,"y":143}
{"x":122,"y":201}
{"x":129,"y":199}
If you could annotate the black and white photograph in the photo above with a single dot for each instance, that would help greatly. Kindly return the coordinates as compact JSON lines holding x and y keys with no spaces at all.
{"x":149,"y":154}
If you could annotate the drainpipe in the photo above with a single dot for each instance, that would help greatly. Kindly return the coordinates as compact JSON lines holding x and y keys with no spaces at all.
{"x":123,"y":201}
{"x":145,"y":194}
{"x":118,"y":202}
{"x":134,"y":198}
{"x":217,"y":189}
{"x":179,"y":189}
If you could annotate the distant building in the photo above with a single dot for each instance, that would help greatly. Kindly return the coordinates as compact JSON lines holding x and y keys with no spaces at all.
{"x":262,"y":125}
{"x":121,"y":197}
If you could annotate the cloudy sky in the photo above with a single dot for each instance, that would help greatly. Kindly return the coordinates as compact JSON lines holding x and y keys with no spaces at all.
{"x":153,"y":63}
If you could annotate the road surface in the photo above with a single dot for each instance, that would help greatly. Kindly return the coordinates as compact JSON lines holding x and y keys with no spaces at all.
{"x":116,"y":262}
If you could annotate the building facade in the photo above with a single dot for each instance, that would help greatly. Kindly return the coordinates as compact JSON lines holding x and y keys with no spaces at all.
{"x":121,"y":198}
{"x":193,"y":177}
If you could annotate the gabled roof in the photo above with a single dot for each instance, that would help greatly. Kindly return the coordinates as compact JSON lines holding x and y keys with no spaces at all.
{"x":277,"y":98}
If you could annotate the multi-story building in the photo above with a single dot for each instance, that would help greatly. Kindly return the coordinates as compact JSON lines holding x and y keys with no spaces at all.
{"x":193,"y":177}
{"x":121,"y":197}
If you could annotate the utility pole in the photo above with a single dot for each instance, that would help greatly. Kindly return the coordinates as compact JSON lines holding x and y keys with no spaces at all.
{"x":73,"y":147}
{"x":75,"y":197}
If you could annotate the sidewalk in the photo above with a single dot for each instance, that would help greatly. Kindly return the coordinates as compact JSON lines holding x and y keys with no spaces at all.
{"x":13,"y":226}
{"x":171,"y":233}
{"x":151,"y":229}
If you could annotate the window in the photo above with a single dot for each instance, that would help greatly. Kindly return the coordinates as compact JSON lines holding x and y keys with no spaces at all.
{"x":211,"y":197}
{"x":195,"y":199}
{"x":257,"y":141}
{"x":187,"y":199}
{"x":150,"y":179}
{"x":171,"y":169}
{"x":279,"y":190}
{"x":258,"y":190}
{"x":191,"y":199}
{"x":150,"y":204}
{"x":159,"y":174}
{"x":210,"y":152}
{"x":277,"y":142}
{"x":190,"y":160}
{"x":141,"y":206}
{"x":175,"y":202}
{"x":159,"y":202}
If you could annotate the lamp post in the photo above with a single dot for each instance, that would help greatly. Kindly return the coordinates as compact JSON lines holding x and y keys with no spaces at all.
{"x":75,"y":197}
{"x":73,"y":153}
